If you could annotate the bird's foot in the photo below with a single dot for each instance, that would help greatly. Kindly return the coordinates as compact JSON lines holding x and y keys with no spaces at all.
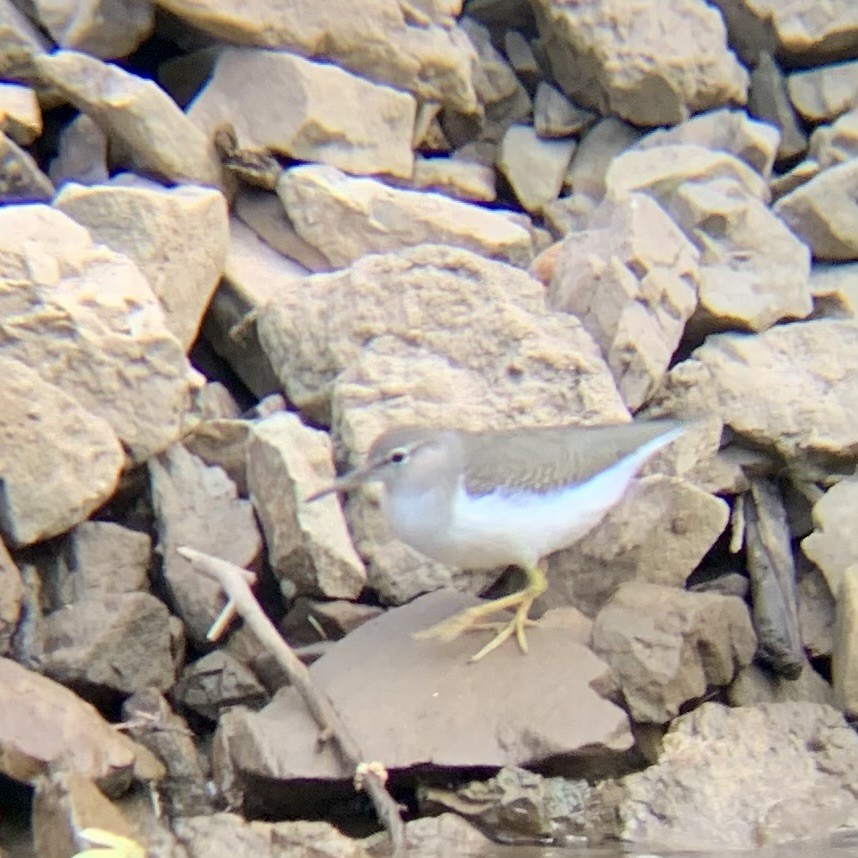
{"x":474,"y":619}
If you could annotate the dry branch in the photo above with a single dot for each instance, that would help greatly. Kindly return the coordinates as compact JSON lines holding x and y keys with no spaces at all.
{"x":236,"y":582}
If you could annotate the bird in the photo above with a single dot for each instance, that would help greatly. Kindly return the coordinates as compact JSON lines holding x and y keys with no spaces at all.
{"x":497,"y":498}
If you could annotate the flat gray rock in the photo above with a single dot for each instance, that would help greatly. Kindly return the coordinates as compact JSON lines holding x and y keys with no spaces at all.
{"x":409,"y":702}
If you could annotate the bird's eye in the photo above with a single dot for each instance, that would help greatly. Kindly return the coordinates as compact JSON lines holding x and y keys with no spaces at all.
{"x":398,"y":456}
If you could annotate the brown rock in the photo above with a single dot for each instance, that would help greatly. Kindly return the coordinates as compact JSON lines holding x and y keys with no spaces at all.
{"x":178,"y":238}
{"x":844,"y":667}
{"x":217,"y":682}
{"x":668,"y":646}
{"x":650,"y":64}
{"x":103,"y":557}
{"x":753,"y":270}
{"x":308,"y":544}
{"x":454,"y":177}
{"x":117,"y":643}
{"x":533,"y":166}
{"x":740,"y":378}
{"x":632,"y":279}
{"x":86,"y":318}
{"x":21,"y":180}
{"x":822,"y":212}
{"x":816,"y":607}
{"x":836,"y":143}
{"x":595,"y":154}
{"x":45,"y":726}
{"x":20,"y":114}
{"x":800,"y":33}
{"x":150,"y":721}
{"x":11,"y":599}
{"x":155,"y":133}
{"x":660,"y":170}
{"x":309,"y":124}
{"x":744,"y":778}
{"x":102,"y":29}
{"x":833,"y":545}
{"x":434,"y":62}
{"x":732,"y":131}
{"x":658,"y":533}
{"x":768,"y":100}
{"x":81,"y":154}
{"x":754,"y":684}
{"x":64,"y":805}
{"x":223,"y":835}
{"x":346,"y":218}
{"x":555,"y":116}
{"x":822,"y":94}
{"x":59,"y":461}
{"x":310,"y":620}
{"x":409,"y":702}
{"x":196,"y":505}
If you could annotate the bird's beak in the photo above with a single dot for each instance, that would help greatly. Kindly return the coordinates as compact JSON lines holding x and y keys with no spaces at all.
{"x":346,"y":483}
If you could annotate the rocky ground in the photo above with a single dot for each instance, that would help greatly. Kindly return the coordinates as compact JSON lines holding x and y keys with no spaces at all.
{"x":349,"y":216}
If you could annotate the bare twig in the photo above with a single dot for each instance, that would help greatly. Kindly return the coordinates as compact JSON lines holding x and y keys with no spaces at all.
{"x":368,"y":775}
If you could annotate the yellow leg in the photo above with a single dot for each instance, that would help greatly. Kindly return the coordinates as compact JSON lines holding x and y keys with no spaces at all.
{"x":473,"y":619}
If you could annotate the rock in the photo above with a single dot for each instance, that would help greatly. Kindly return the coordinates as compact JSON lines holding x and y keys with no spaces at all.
{"x":103,"y":557}
{"x":447,"y":834}
{"x":773,"y":580}
{"x":754,"y":684}
{"x":308,"y":620}
{"x":11,"y":599}
{"x":59,"y":461}
{"x":744,"y":778}
{"x":521,"y":58}
{"x":196,"y":505}
{"x":731,"y":131}
{"x":799,"y":175}
{"x":216,"y":682}
{"x":822,"y":212}
{"x":815,"y":610}
{"x":20,"y":114}
{"x":595,"y":154}
{"x":836,"y":143}
{"x":45,"y":727}
{"x":753,"y":270}
{"x":799,"y":34}
{"x":224,"y":834}
{"x":833,"y":545}
{"x":114,"y":644}
{"x":768,"y":100}
{"x":740,"y":378}
{"x":64,"y":805}
{"x":308,"y":544}
{"x":555,"y":116}
{"x":822,"y":94}
{"x":21,"y":180}
{"x":347,"y":218}
{"x":632,"y":279}
{"x":668,"y":646}
{"x":150,"y":721}
{"x":837,"y":282}
{"x":156,"y":135}
{"x":501,"y":95}
{"x":178,"y":238}
{"x":465,"y":717}
{"x":309,"y":125}
{"x":222,"y":443}
{"x":420,"y":296}
{"x":662,"y":170}
{"x":434,"y":62}
{"x":454,"y":177}
{"x":533,"y":166}
{"x":87,"y":318}
{"x":658,"y":533}
{"x":81,"y":154}
{"x":651,"y":64}
{"x":102,"y":29}
{"x":518,"y":806}
{"x":844,"y":668}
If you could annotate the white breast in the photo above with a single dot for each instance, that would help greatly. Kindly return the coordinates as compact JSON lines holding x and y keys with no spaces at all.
{"x":502,"y":528}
